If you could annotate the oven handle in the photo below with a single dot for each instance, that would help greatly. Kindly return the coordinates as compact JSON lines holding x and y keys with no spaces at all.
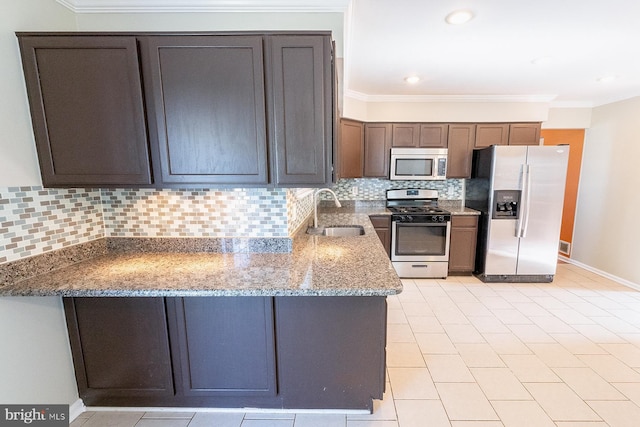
{"x":422,"y":224}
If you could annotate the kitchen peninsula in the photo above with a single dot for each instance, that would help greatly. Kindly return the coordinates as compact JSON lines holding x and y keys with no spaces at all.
{"x":155,"y":322}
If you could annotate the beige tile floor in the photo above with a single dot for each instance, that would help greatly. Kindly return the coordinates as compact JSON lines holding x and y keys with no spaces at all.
{"x":461,"y":353}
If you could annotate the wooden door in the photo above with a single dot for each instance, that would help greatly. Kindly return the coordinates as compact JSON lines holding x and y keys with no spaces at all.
{"x":224,"y":346}
{"x":524,"y":134}
{"x":206,"y":103}
{"x":488,"y":134}
{"x":575,"y":139}
{"x":405,"y":134}
{"x":377,"y":146}
{"x":301,"y":109}
{"x":87,"y":110}
{"x":460,"y":144}
{"x":382,"y":225}
{"x":120,"y":348}
{"x":434,"y":135}
{"x":351,"y":149}
{"x":462,"y":248}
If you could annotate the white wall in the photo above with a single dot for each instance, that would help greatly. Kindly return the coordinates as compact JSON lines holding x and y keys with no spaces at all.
{"x":215,"y":22}
{"x":607,"y":234}
{"x":18,"y":161}
{"x":568,"y":118}
{"x":444,"y":111}
{"x":35,"y":361}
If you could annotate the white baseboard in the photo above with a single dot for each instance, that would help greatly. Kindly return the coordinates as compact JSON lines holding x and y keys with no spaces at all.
{"x":616,"y":279}
{"x":75,"y":409}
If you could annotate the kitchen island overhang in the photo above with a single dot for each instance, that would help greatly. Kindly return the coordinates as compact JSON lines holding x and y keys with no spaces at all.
{"x":299,"y":330}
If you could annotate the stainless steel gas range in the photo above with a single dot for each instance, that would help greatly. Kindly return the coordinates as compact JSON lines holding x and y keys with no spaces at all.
{"x":420,"y":232}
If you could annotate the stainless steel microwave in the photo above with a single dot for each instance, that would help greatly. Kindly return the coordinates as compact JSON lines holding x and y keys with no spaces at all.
{"x":419,"y":164}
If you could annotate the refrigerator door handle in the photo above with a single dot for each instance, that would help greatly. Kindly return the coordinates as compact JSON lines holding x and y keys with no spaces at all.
{"x":526,"y":205}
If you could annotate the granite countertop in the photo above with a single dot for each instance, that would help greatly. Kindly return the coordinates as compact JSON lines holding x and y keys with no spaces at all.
{"x":316,"y":266}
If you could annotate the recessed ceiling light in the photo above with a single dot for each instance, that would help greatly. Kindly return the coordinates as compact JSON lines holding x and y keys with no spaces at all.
{"x":458,"y":17}
{"x":607,"y":79}
{"x":412,"y":79}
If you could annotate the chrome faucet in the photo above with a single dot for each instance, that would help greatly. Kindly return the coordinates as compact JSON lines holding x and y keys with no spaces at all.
{"x":315,"y":204}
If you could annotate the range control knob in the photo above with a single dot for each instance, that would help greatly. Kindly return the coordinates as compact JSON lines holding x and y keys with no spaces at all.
{"x":440,"y":218}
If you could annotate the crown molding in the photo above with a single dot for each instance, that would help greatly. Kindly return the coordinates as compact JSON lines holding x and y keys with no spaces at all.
{"x":448,"y":98}
{"x":142,"y":6}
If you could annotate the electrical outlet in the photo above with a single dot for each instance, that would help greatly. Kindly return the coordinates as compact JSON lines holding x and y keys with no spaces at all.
{"x":354,"y":191}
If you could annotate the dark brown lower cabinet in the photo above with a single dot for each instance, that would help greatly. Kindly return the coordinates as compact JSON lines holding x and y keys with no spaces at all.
{"x":264,"y":352}
{"x":226,"y":345}
{"x":120,"y":348}
{"x":382,"y":225}
{"x":331,"y":351}
{"x":462,"y":247}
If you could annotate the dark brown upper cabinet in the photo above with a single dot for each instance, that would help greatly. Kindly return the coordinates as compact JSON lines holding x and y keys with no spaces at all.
{"x":488,"y":134}
{"x":405,"y":134}
{"x":300,"y":109}
{"x":87,"y":110}
{"x":206,"y":103}
{"x":226,"y":109}
{"x":434,"y":135}
{"x":351,"y":149}
{"x":524,"y":133}
{"x":377,"y":150}
{"x":461,"y":139}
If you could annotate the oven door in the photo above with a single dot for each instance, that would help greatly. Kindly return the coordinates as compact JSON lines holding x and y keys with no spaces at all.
{"x":420,"y":241}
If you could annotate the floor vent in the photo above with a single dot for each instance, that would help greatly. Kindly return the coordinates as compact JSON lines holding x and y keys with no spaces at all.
{"x":564,"y":247}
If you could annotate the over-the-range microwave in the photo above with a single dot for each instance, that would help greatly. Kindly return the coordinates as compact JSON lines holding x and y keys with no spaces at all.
{"x":418,"y":164}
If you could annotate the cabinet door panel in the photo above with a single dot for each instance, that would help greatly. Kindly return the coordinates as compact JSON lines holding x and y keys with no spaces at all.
{"x":488,"y":134}
{"x":351,"y":147}
{"x":461,"y":139}
{"x":120,"y":347}
{"x":207,"y":102}
{"x":226,"y":345}
{"x":382,"y":225}
{"x":462,"y":250}
{"x":86,"y":104}
{"x":434,"y":135}
{"x":524,"y":134}
{"x":301,"y":109}
{"x":377,"y":146}
{"x":405,"y":135}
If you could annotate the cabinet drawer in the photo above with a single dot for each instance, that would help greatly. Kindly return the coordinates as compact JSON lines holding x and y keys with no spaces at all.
{"x":464,"y":221}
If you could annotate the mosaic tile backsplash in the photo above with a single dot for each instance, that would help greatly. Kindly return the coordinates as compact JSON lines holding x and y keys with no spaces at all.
{"x":34,"y":220}
{"x":253,"y":212}
{"x":375,"y":189}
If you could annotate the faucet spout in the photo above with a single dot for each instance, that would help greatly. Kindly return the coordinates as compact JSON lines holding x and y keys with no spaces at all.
{"x":315,"y":203}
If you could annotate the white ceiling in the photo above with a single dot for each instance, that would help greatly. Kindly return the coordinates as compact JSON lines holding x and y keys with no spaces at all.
{"x":489,"y":58}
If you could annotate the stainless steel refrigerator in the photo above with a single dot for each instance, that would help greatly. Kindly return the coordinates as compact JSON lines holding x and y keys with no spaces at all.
{"x":519,"y":191}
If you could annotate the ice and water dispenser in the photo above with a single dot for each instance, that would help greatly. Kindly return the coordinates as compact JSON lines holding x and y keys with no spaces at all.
{"x":506,"y":204}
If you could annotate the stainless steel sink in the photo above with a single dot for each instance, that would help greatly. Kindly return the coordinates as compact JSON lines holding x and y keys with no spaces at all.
{"x":343,"y":230}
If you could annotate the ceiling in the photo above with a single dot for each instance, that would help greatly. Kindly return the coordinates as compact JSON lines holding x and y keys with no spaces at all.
{"x":547,"y":50}
{"x":515,"y":50}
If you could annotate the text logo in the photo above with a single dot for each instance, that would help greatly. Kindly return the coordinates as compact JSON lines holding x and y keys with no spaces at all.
{"x":34,"y":415}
